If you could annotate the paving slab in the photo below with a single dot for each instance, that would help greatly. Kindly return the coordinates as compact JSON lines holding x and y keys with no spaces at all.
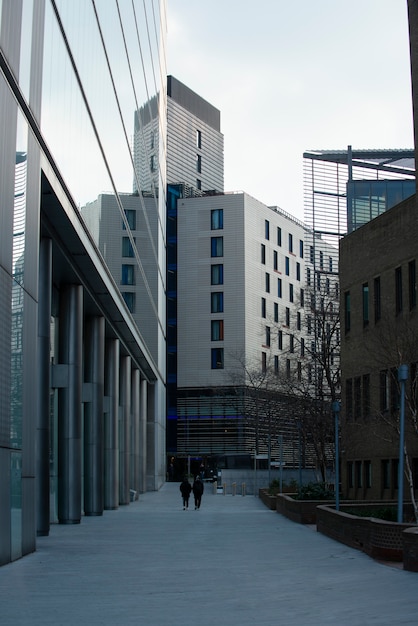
{"x":233,"y":562}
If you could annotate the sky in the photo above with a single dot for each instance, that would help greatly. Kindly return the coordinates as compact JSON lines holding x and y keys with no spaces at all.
{"x":294,"y":75}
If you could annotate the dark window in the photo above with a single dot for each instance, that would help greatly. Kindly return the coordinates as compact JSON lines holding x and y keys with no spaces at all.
{"x":217,"y":302}
{"x":199,"y":164}
{"x":198,"y":139}
{"x":398,"y":290}
{"x":412,"y":279}
{"x":287,"y":266}
{"x":357,"y":398}
{"x":263,"y":254}
{"x":301,"y":248}
{"x":129,"y":298}
{"x":367,"y":474}
{"x":216,"y":246}
{"x":386,"y":474}
{"x":377,"y":296}
{"x":217,"y":219}
{"x":275,"y":260}
{"x":263,"y":307}
{"x":217,"y":330}
{"x":279,"y":236}
{"x":291,"y":344}
{"x":217,"y":358}
{"x":267,"y":229}
{"x":359,"y":474}
{"x":312,"y":255}
{"x":297,"y":271}
{"x":287,"y":368}
{"x":263,"y":362}
{"x":350,"y":474}
{"x":298,"y":321}
{"x":267,"y":282}
{"x":347,"y":311}
{"x":308,"y":275}
{"x":365,"y":304}
{"x":290,"y":292}
{"x":127,"y":249}
{"x":276,"y":312}
{"x":128,"y":275}
{"x":279,"y":287}
{"x":268,"y":336}
{"x":216,"y":274}
{"x":276,"y":364}
{"x":287,"y":316}
{"x":302,"y":347}
{"x":302,"y":297}
{"x":280,"y":340}
{"x":130,"y":215}
{"x":290,"y":242}
{"x":349,"y":398}
{"x":366,"y":396}
{"x":384,"y":390}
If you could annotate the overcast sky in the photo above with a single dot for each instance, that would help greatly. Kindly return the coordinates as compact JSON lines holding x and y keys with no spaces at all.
{"x":294,"y":75}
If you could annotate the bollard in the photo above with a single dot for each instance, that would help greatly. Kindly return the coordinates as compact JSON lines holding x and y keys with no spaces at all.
{"x":215,"y":487}
{"x":224,"y":489}
{"x":243,"y":489}
{"x":234,"y":489}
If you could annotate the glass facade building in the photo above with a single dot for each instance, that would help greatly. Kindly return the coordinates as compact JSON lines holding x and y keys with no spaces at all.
{"x":82,"y":387}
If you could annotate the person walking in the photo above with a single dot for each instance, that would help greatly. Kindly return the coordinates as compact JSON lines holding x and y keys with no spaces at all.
{"x":198,"y":489}
{"x":185,"y":489}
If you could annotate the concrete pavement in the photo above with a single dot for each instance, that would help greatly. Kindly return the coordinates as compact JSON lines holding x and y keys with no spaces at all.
{"x":231,"y":563}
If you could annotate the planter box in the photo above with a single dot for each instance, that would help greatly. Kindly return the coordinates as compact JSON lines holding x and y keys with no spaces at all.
{"x":267,"y":499}
{"x":377,"y":538}
{"x":300,"y":511}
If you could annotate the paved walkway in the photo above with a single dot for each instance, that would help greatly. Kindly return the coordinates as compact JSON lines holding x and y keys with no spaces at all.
{"x":232,"y":563}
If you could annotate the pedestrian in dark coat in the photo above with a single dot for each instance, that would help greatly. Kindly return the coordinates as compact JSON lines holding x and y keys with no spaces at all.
{"x":198,"y":489}
{"x":185,"y":489}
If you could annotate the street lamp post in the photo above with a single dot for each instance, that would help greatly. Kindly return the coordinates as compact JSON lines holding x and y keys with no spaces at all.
{"x":402,"y":378}
{"x":336,"y":407}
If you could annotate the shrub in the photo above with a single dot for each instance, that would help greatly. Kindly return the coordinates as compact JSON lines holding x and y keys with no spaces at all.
{"x":314,"y":491}
{"x":387,"y":513}
{"x":274,"y":487}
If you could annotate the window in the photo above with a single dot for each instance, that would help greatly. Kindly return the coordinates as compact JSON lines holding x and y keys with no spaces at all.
{"x":385,"y":474}
{"x":152,"y":163}
{"x":290,"y":292}
{"x":127,"y":249}
{"x":279,"y":236}
{"x":217,"y":302}
{"x":287,"y":368}
{"x":268,"y":336}
{"x":129,"y":298}
{"x":412,"y":280}
{"x":301,"y":248}
{"x":297,"y":271}
{"x":217,"y":330}
{"x":152,"y":140}
{"x":309,"y":324}
{"x":199,"y":164}
{"x":357,"y":398}
{"x":291,"y":344}
{"x":302,"y":347}
{"x":198,"y":183}
{"x":365,"y":290}
{"x":128,"y":275}
{"x":216,"y":274}
{"x":287,"y":316}
{"x":287,"y":266}
{"x":298,"y":321}
{"x":398,"y":290}
{"x":267,"y":282}
{"x":366,"y":396}
{"x":217,"y":358}
{"x":299,"y":370}
{"x":279,"y":287}
{"x":330,"y":263}
{"x":217,"y":219}
{"x":302,"y":297}
{"x":349,"y":398}
{"x":384,"y":390}
{"x":276,"y":312}
{"x":130,"y":215}
{"x":347,"y":312}
{"x":263,"y":254}
{"x":216,"y":246}
{"x":350,"y":474}
{"x":368,"y":474}
{"x":290,"y":242}
{"x":359,"y":474}
{"x":263,"y":362}
{"x":199,"y":139}
{"x":312,"y":255}
{"x":275,"y":260}
{"x":377,"y":296}
{"x":280,"y":340}
{"x":267,"y":229}
{"x":263,"y":307}
{"x":321,"y":260}
{"x":276,"y":364}
{"x":308,"y":275}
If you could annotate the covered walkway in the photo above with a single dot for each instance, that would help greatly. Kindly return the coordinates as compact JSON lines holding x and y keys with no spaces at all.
{"x":231,"y":563}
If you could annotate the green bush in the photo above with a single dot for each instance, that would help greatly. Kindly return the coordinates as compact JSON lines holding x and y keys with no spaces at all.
{"x":387,"y":513}
{"x":314,"y":491}
{"x":274,"y":487}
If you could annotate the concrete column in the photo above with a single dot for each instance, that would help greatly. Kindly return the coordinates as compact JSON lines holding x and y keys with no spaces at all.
{"x":111,"y":434}
{"x":124,"y":429}
{"x":93,"y":417}
{"x":143,"y":438}
{"x":135,"y":433}
{"x":70,"y":405}
{"x":44,"y":385}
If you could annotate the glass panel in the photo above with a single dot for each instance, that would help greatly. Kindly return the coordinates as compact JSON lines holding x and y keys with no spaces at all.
{"x":25,"y":47}
{"x":16,"y":504}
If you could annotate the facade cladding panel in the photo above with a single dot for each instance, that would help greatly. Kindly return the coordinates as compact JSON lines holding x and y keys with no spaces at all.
{"x":63,"y":142}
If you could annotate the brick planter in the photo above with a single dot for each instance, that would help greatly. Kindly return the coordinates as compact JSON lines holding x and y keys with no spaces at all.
{"x":377,"y":538}
{"x":267,"y":499}
{"x":410,"y":549}
{"x":300,"y":511}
